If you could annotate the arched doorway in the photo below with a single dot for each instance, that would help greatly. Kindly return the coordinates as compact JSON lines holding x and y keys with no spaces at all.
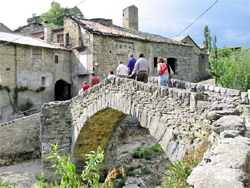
{"x":62,"y":91}
{"x":173,"y":63}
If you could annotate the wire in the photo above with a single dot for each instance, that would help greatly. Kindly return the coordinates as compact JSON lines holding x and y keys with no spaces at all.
{"x":40,"y":26}
{"x":197,"y":18}
{"x":190,"y":24}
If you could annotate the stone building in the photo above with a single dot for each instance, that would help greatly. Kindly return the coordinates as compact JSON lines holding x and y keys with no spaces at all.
{"x":26,"y":61}
{"x":97,"y":45}
{"x":199,"y":54}
{"x":83,"y":46}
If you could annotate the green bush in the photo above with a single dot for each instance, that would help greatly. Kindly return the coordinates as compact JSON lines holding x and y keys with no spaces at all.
{"x":90,"y":175}
{"x":42,"y":88}
{"x":231,"y":68}
{"x":29,"y":104}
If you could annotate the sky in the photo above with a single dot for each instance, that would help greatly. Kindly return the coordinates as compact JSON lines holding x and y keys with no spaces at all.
{"x":228,"y":20}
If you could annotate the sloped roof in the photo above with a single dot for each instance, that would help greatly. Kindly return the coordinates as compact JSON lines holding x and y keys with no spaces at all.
{"x":25,"y":40}
{"x":97,"y":28}
{"x":4,"y":28}
{"x":179,"y":38}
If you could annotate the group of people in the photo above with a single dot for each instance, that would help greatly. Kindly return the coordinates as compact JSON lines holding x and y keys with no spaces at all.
{"x":136,"y":69}
{"x":93,"y":81}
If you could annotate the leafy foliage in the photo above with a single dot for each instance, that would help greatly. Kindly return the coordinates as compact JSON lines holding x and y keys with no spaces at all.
{"x":231,"y":68}
{"x":176,"y":175}
{"x":7,"y":185}
{"x":54,"y":12}
{"x":148,"y":153}
{"x":90,"y":175}
{"x":29,"y":104}
{"x":41,"y":88}
{"x":208,"y":39}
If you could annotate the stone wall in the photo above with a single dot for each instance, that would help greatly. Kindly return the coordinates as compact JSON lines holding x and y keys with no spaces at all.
{"x":226,"y":164}
{"x":204,"y":64}
{"x":179,"y":117}
{"x":20,"y":140}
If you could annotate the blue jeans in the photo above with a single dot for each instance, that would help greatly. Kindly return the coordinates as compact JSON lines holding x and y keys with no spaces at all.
{"x":169,"y":81}
{"x":162,"y":79}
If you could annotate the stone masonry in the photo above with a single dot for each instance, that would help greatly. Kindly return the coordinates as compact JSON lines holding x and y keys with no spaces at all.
{"x":20,"y":140}
{"x":178,"y":117}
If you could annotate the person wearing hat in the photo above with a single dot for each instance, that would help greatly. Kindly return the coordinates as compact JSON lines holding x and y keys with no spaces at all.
{"x":85,"y":86}
{"x":121,"y":70}
{"x":131,"y":66}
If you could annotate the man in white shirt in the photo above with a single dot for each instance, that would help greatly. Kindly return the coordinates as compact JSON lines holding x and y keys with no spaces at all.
{"x":121,"y":70}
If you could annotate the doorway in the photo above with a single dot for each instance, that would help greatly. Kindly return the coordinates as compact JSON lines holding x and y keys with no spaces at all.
{"x":62,"y":91}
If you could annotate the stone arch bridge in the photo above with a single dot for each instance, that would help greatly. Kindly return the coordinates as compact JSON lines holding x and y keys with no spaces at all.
{"x":178,"y":117}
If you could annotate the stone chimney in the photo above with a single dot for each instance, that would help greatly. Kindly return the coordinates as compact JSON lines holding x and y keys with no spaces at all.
{"x":47,"y":34}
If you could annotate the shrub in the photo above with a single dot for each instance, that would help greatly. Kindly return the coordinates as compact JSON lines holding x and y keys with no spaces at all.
{"x":29,"y":104}
{"x":90,"y":175}
{"x":42,"y":88}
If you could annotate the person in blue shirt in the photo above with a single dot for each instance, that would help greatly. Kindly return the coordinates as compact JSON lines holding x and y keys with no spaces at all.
{"x":131,"y":66}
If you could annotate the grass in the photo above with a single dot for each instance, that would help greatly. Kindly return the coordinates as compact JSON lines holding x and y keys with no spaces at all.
{"x":178,"y":171}
{"x":7,"y":185}
{"x":148,"y":153}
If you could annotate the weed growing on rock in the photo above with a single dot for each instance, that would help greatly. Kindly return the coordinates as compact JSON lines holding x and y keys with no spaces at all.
{"x":178,"y":171}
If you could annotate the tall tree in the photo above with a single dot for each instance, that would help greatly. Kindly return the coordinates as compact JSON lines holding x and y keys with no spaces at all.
{"x":208,"y":39}
{"x":231,"y":68}
{"x":55,"y":11}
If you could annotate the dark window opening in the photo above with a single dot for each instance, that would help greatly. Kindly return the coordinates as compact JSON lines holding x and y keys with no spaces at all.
{"x":67,"y":39}
{"x":56,"y":59}
{"x":155,"y":61}
{"x":62,"y":91}
{"x":173,"y":64}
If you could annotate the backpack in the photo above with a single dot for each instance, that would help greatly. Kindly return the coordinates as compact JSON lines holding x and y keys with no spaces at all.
{"x":163,"y":69}
{"x":171,"y":72}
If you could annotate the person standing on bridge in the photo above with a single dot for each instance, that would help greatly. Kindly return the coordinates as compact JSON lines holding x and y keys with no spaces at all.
{"x":142,"y":69}
{"x":131,"y":66}
{"x":169,"y":75}
{"x":93,"y":80}
{"x":121,"y":70}
{"x":162,"y":69}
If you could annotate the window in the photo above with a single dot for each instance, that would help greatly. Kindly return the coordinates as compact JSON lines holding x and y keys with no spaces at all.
{"x":67,"y":39}
{"x":56,"y":59}
{"x":45,"y":81}
{"x":60,"y":38}
{"x":37,"y":53}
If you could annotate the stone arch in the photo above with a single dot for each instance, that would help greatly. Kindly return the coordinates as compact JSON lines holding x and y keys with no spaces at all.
{"x":96,"y":131}
{"x":62,"y":90}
